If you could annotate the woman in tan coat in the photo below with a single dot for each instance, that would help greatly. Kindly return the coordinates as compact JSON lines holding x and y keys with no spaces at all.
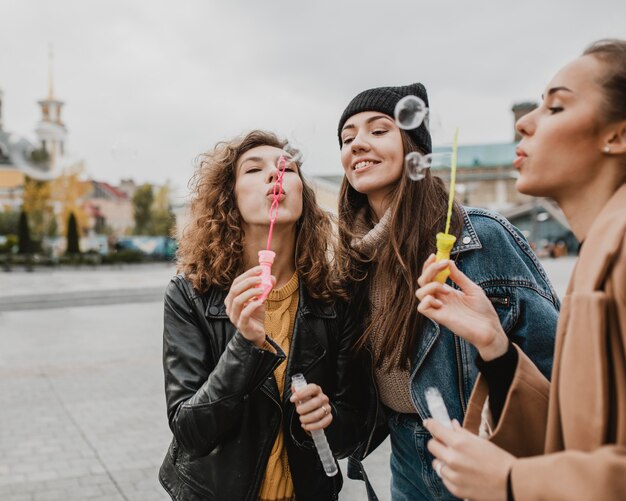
{"x":566,"y":439}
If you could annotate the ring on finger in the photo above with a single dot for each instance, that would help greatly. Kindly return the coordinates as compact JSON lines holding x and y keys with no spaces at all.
{"x":438,"y":467}
{"x":326,"y":410}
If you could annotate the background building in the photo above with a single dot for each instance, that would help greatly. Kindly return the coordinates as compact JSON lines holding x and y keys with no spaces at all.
{"x":19,"y":158}
{"x":39,"y":177}
{"x":485,"y":177}
{"x":110,"y":209}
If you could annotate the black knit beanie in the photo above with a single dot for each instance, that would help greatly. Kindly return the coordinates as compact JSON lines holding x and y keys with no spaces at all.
{"x":384,"y":100}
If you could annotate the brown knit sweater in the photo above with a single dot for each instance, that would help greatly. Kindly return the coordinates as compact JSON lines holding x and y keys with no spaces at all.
{"x":392,"y":382}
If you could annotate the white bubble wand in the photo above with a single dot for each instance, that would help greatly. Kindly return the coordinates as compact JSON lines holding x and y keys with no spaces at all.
{"x":319,"y":437}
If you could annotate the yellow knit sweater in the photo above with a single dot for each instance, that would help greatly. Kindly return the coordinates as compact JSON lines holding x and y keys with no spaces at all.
{"x":280,"y":313}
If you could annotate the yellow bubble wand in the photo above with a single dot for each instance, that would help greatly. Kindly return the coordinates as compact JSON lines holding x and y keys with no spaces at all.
{"x":445,"y":241}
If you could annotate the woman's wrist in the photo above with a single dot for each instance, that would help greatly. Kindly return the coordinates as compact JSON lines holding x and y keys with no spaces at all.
{"x":496,"y":348}
{"x":255,"y":339}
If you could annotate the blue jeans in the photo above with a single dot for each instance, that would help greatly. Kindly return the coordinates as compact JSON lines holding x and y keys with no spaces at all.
{"x":412,"y":474}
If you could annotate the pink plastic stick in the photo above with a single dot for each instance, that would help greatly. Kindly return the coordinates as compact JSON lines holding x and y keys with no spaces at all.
{"x":278,"y":191}
{"x":266,"y":257}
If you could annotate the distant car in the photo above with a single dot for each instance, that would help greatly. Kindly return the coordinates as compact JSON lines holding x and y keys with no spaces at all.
{"x":153,"y":247}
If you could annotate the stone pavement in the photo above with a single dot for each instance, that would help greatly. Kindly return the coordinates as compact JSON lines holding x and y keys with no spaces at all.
{"x":81,"y":286}
{"x":82,"y":412}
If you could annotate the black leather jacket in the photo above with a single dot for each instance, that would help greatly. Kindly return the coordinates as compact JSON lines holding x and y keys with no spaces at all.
{"x":223,"y":404}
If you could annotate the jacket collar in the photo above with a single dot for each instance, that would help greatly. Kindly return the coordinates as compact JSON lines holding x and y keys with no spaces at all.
{"x":215,"y":308}
{"x":468,"y":240}
{"x":602,"y":244}
{"x":310,"y":306}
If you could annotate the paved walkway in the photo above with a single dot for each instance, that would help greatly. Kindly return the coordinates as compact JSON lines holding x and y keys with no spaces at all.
{"x":82,"y":412}
{"x":82,"y":286}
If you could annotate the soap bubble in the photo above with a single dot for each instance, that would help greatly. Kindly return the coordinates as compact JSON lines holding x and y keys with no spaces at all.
{"x":414,"y":167}
{"x":410,"y":112}
{"x":433,"y":123}
{"x":295,"y":153}
{"x":417,"y":164}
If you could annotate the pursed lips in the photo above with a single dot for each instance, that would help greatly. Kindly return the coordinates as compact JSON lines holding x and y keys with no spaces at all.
{"x":520,"y":156}
{"x":270,"y":192}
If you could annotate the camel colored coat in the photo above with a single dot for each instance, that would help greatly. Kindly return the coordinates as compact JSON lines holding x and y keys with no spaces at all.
{"x":570,"y":435}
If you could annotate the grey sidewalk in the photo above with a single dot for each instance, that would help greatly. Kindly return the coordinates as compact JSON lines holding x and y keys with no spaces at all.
{"x":82,"y":412}
{"x":81,"y":403}
{"x":82,"y":286}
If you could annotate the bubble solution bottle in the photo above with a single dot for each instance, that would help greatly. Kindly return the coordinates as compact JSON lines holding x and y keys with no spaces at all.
{"x":445,"y":242}
{"x":321,"y":444}
{"x":437,"y":407}
{"x":266,"y":258}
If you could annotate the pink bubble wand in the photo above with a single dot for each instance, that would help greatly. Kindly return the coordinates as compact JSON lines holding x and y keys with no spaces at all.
{"x":266,"y":257}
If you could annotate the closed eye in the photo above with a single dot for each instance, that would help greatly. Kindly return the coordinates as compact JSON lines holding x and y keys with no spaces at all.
{"x":555,"y":109}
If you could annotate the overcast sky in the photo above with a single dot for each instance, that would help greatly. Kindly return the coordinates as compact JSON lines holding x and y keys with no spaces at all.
{"x":150,"y":84}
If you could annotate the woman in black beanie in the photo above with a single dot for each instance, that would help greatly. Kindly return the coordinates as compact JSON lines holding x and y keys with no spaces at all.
{"x":387,"y":227}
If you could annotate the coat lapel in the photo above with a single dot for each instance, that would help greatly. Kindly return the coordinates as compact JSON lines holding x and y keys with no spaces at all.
{"x":602,"y":244}
{"x":580,"y":404}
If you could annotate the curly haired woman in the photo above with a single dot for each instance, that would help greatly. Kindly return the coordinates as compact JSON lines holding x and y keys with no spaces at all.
{"x":228,"y":356}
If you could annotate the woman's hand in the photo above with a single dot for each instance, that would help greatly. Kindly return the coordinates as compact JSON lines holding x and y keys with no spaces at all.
{"x":466,"y":312}
{"x":313,"y":407}
{"x":470,"y":467}
{"x":244,"y":310}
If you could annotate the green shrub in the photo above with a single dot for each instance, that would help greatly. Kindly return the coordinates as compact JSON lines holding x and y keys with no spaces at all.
{"x":124,"y":256}
{"x":9,"y":244}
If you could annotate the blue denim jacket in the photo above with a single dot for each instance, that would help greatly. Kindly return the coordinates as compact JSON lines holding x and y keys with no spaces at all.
{"x":495,"y":255}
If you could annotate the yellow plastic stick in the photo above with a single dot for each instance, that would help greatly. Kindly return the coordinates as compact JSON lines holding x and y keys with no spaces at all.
{"x":445,"y":241}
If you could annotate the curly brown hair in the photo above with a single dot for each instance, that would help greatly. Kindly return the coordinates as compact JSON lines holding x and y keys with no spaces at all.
{"x":211,"y":248}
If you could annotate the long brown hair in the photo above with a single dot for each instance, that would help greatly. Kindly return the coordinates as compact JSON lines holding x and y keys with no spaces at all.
{"x":211,"y":249}
{"x":418,"y":212}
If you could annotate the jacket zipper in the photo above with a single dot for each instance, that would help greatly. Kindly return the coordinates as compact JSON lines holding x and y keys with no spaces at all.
{"x":459,"y":362}
{"x":267,"y":452}
{"x":369,"y":440}
{"x":438,"y":331}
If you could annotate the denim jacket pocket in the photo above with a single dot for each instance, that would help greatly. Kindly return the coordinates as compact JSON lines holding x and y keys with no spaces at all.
{"x":504,"y":300}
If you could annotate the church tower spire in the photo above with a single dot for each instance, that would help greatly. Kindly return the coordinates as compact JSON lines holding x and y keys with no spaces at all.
{"x":51,"y":130}
{"x":50,"y":73}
